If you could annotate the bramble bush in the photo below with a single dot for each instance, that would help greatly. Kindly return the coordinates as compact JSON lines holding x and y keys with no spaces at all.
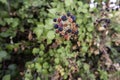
{"x":58,"y":40}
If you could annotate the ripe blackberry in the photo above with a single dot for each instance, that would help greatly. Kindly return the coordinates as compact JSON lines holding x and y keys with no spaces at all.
{"x":55,"y":26}
{"x":64,"y":18}
{"x":104,"y":26}
{"x":76,"y":33}
{"x":68,"y":14}
{"x":55,"y":20}
{"x":107,"y":9}
{"x":69,"y":30}
{"x":77,"y":25}
{"x":60,"y":29}
{"x":112,"y":9}
{"x":117,"y":9}
{"x":107,"y":21}
{"x":61,"y":35}
{"x":73,"y":18}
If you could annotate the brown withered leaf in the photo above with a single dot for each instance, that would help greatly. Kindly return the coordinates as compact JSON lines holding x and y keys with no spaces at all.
{"x":22,"y":73}
{"x":2,"y":29}
{"x":78,"y":43}
{"x":54,"y":45}
{"x":55,"y":76}
{"x":96,"y":52}
{"x":30,"y":36}
{"x":15,"y":50}
{"x":92,"y":49}
{"x":74,"y":47}
{"x":22,"y":47}
{"x":107,"y":61}
{"x":101,"y":29}
{"x":116,"y":39}
{"x":79,"y":79}
{"x":117,"y":66}
{"x":117,"y":43}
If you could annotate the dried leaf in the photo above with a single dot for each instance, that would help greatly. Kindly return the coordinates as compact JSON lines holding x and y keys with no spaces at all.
{"x":30,"y":37}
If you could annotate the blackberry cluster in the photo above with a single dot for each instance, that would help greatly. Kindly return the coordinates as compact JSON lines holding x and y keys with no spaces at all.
{"x":111,"y":5}
{"x":66,"y":26}
{"x":102,"y":24}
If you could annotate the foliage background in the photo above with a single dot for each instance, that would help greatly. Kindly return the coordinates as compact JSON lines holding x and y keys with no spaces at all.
{"x":30,"y":49}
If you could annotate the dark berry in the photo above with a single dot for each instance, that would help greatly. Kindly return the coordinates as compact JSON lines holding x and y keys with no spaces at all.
{"x":107,"y":9}
{"x":107,"y":20}
{"x":64,"y":18}
{"x":69,"y":30}
{"x":100,"y":20}
{"x":76,"y":32}
{"x":61,"y":35}
{"x":104,"y":26}
{"x":117,"y":9}
{"x":112,"y":9}
{"x":60,"y":28}
{"x":94,"y":23}
{"x":68,"y":14}
{"x":73,"y":18}
{"x":92,"y":12}
{"x":111,"y":2}
{"x":55,"y":26}
{"x":55,"y":20}
{"x":77,"y":25}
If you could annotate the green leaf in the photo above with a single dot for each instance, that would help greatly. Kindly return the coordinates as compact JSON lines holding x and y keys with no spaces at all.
{"x":3,"y":54}
{"x":53,"y":10}
{"x":8,"y":20}
{"x":4,"y":34}
{"x":35,"y":50}
{"x":45,"y":72}
{"x":7,"y":77}
{"x":38,"y":78}
{"x":49,"y":24}
{"x":80,"y":3}
{"x":41,"y":53}
{"x":51,"y":35}
{"x":12,"y":66}
{"x":4,"y":1}
{"x":90,"y":28}
{"x":0,"y":59}
{"x":45,"y":65}
{"x":84,"y":49}
{"x":15,"y":22}
{"x":42,"y":47}
{"x":66,"y":63}
{"x":49,"y":41}
{"x":83,"y":10}
{"x":40,"y":25}
{"x":56,"y":60}
{"x":37,"y":3}
{"x":38,"y":67}
{"x":27,"y":78}
{"x":38,"y":31}
{"x":68,"y":2}
{"x":103,"y":75}
{"x":86,"y":67}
